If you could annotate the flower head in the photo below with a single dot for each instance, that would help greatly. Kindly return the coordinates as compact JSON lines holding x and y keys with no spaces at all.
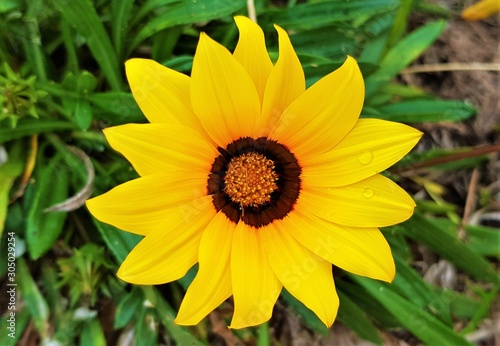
{"x":481,"y":10}
{"x":263,"y":183}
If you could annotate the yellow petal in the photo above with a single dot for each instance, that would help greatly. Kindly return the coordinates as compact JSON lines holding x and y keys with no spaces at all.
{"x":370,"y":147}
{"x":304,"y":274}
{"x":373,"y":202}
{"x":167,"y":252}
{"x":286,"y":82}
{"x":481,"y":10}
{"x":251,"y":52}
{"x":139,"y":205}
{"x":212,"y":284}
{"x":162,"y":93}
{"x":255,"y":287}
{"x":157,"y":148}
{"x":362,"y":251}
{"x":222,"y":93}
{"x":323,"y":115}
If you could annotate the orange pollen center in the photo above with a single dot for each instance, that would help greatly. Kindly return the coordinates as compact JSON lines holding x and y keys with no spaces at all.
{"x":250,"y":179}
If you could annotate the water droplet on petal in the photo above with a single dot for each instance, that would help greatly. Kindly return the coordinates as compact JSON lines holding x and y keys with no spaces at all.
{"x":368,"y":193}
{"x":365,"y":157}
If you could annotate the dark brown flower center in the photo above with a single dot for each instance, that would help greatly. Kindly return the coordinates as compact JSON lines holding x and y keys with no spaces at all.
{"x":255,"y":181}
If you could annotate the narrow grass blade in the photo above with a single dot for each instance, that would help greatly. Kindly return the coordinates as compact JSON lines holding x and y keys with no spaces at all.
{"x":92,"y":334}
{"x":167,"y":315}
{"x":83,"y":16}
{"x":439,"y":240}
{"x":42,"y":228}
{"x":356,"y":319}
{"x":35,"y":302}
{"x":146,"y":326}
{"x":9,"y":171}
{"x":318,"y":14}
{"x":263,"y":338}
{"x":116,"y":108}
{"x":369,"y":305}
{"x":12,"y":330}
{"x":122,"y":11}
{"x":402,"y":54}
{"x":119,"y":242}
{"x":128,"y":307}
{"x":30,"y":126}
{"x":187,"y":12}
{"x":409,"y":284}
{"x":401,"y":21}
{"x":483,"y":240}
{"x":419,"y":111}
{"x":422,"y":324}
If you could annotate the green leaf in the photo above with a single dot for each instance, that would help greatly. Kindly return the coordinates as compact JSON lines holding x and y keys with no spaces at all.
{"x":422,"y":324}
{"x":83,"y":16}
{"x":355,"y":318}
{"x":181,"y":63}
{"x":165,"y":42}
{"x":83,"y":84}
{"x":122,"y":10}
{"x":402,"y":54}
{"x":263,"y":338}
{"x":32,"y":40}
{"x":419,"y":111}
{"x":8,"y":5}
{"x":400,"y":22}
{"x":119,"y":242}
{"x":410,"y":285}
{"x":319,"y":14}
{"x":439,"y":240}
{"x":462,"y":306}
{"x":12,"y":330}
{"x":52,"y":292}
{"x":180,"y":334}
{"x":187,"y":12}
{"x":374,"y":49}
{"x":51,"y":187}
{"x":9,"y":171}
{"x":86,"y":83}
{"x":34,"y":300}
{"x":128,"y":307}
{"x":483,"y":240}
{"x":487,"y":301}
{"x":371,"y":306}
{"x":116,"y":108}
{"x":30,"y":126}
{"x":329,"y":42}
{"x":146,"y":330}
{"x":148,"y":6}
{"x":71,"y":51}
{"x":83,"y":115}
{"x":92,"y":334}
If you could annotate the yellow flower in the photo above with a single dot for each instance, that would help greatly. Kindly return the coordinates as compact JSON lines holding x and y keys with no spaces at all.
{"x":263,"y":183}
{"x":481,"y":10}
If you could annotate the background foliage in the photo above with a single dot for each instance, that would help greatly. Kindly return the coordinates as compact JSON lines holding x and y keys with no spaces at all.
{"x":62,"y":81}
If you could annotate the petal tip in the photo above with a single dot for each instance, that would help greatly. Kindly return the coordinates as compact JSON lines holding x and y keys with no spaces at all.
{"x":122,"y":275}
{"x":183,"y":321}
{"x":389,"y":273}
{"x":282,"y":33}
{"x":241,"y":20}
{"x":137,"y":65}
{"x":131,"y":62}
